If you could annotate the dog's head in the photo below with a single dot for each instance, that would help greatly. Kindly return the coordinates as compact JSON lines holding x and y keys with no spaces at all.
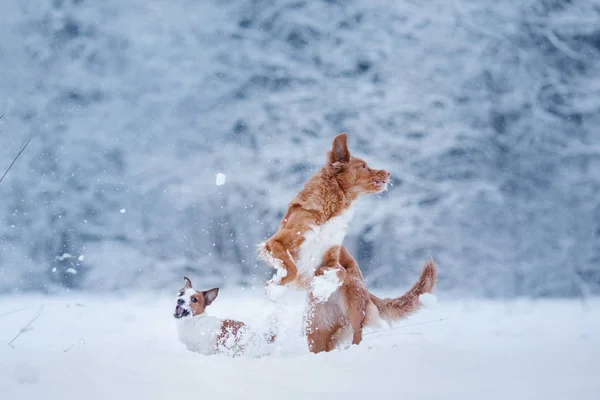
{"x":193,"y":302}
{"x":353,"y":174}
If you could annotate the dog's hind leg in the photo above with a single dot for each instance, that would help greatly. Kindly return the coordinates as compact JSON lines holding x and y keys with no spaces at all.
{"x":323,"y":321}
{"x":356,"y":304}
{"x":321,"y":339}
{"x":355,"y":294}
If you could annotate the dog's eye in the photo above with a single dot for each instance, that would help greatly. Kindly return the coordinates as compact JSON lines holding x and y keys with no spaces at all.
{"x":364,"y":165}
{"x":180,"y":294}
{"x":194,"y":300}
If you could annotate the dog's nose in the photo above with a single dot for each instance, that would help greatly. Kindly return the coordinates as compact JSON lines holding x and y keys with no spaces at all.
{"x":180,"y":302}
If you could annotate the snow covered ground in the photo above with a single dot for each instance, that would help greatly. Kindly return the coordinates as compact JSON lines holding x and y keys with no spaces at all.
{"x":84,"y":347}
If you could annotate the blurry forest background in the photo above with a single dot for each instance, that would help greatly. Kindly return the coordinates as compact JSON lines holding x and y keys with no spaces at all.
{"x":487,"y":114}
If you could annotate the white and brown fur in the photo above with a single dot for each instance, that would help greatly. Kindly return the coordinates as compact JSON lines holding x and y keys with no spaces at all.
{"x":308,"y":254}
{"x":206,"y":334}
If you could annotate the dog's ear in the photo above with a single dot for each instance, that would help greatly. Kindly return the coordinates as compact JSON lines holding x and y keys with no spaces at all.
{"x":210,"y":296}
{"x":339,"y":150}
{"x":188,"y":283}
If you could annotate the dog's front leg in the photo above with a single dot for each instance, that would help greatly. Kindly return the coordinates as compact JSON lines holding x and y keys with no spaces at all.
{"x":329,"y":276}
{"x":279,"y":258}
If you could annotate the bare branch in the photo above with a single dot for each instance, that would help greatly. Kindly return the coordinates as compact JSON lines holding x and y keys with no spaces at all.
{"x":27,"y":327}
{"x":15,"y":159}
{"x":82,"y":340}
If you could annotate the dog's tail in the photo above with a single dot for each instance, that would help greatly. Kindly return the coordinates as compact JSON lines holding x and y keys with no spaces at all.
{"x":393,"y":310}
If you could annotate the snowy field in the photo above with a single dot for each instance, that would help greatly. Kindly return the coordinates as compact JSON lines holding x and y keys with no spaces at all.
{"x":83,"y":347}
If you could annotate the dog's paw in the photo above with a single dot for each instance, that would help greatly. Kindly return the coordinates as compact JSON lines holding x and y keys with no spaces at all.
{"x":273,"y":290}
{"x":323,"y":286}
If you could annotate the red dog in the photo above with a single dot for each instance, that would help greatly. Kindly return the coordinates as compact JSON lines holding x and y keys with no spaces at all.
{"x":308,"y":254}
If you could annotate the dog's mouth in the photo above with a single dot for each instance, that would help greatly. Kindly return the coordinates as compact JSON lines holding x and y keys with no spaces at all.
{"x":380,"y":184}
{"x":180,"y":312}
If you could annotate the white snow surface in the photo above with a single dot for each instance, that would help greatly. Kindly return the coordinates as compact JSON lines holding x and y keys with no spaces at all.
{"x":273,"y":290}
{"x":428,"y":300}
{"x":84,"y":347}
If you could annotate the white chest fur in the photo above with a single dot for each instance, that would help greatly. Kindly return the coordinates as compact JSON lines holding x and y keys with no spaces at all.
{"x":319,"y":239}
{"x":199,"y":334}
